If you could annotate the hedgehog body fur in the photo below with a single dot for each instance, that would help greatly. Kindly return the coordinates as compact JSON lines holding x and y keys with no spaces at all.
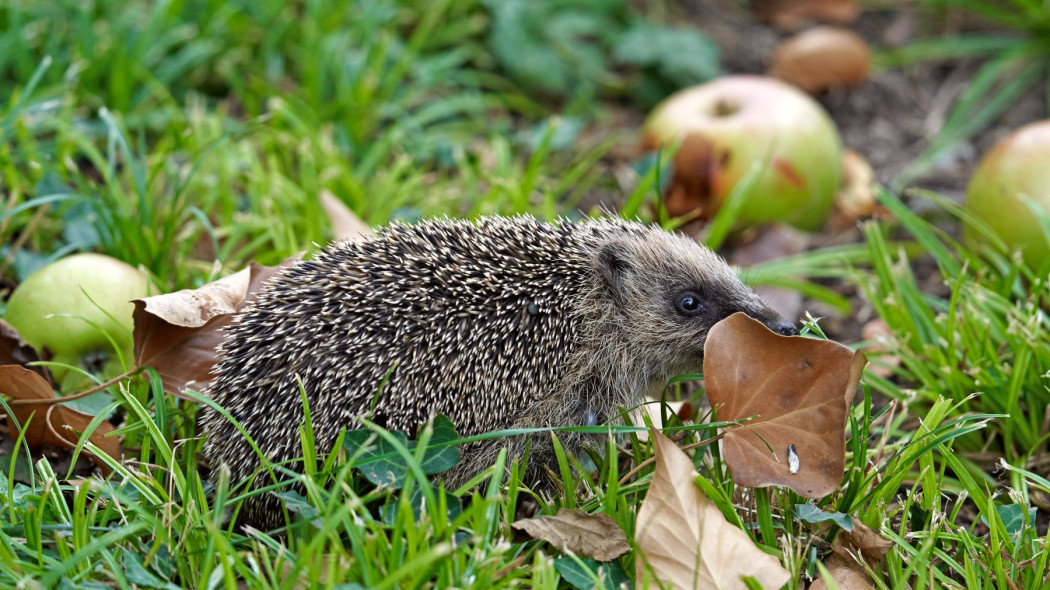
{"x":506,"y":322}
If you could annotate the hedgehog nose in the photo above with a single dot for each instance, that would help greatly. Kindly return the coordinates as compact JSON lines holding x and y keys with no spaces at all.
{"x":786,"y":328}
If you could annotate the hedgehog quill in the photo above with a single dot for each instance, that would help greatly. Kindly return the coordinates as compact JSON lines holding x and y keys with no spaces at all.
{"x":506,"y":322}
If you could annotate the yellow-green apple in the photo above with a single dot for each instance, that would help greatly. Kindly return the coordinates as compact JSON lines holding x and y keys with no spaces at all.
{"x":1015,"y":170}
{"x":728,"y":125}
{"x":73,"y":307}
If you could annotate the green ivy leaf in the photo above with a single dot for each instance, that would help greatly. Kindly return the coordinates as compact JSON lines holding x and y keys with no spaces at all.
{"x":140,"y":576}
{"x":580,"y":574}
{"x":296,"y":503}
{"x":388,"y":511}
{"x":1014,"y":520}
{"x":812,"y":514}
{"x":383,"y":465}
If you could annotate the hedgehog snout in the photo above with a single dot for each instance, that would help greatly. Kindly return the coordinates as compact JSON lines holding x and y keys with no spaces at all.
{"x":774,"y":321}
{"x":784,"y":328}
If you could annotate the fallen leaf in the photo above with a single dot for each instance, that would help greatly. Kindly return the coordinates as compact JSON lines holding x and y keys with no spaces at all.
{"x":682,"y":201}
{"x":15,"y":351}
{"x":792,"y":14}
{"x":862,"y":542}
{"x":685,"y":541}
{"x":822,"y":58}
{"x":192,"y":308}
{"x":850,"y":551}
{"x":845,"y":579}
{"x":177,"y":333}
{"x":346,"y":225}
{"x":50,"y":424}
{"x":800,"y":390}
{"x":596,"y":536}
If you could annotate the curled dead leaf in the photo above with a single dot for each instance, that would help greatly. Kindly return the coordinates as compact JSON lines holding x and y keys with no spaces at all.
{"x":50,"y":424}
{"x":15,"y":351}
{"x":845,"y":579}
{"x":862,"y":543}
{"x":800,"y":390}
{"x":346,"y":225}
{"x":822,"y":58}
{"x":683,"y":202}
{"x":850,"y":552}
{"x":792,"y":14}
{"x":684,"y":540}
{"x":596,"y":536}
{"x":177,"y":333}
{"x":192,"y":308}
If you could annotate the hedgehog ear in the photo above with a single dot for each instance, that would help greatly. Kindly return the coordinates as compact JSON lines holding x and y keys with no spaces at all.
{"x":613,"y":264}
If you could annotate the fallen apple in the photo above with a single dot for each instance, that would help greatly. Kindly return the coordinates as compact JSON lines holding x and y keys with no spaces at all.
{"x":822,"y":58}
{"x":731,"y":124}
{"x":73,"y":307}
{"x":1014,"y":170}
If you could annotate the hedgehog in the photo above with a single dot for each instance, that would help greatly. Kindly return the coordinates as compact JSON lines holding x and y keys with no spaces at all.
{"x":498,"y":323}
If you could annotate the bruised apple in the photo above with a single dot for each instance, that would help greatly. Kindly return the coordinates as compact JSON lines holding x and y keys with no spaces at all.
{"x":1015,"y":170}
{"x":731,"y":124}
{"x":73,"y":307}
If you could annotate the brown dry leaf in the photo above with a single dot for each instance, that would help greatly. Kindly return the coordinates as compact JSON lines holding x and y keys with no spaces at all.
{"x":51,"y":424}
{"x":681,"y":201}
{"x":15,"y":351}
{"x":849,"y":553}
{"x":177,"y":333}
{"x":346,"y":225}
{"x":800,"y":389}
{"x":862,"y":541}
{"x":822,"y":58}
{"x":683,"y":539}
{"x":845,"y":579}
{"x":596,"y":536}
{"x":792,"y":14}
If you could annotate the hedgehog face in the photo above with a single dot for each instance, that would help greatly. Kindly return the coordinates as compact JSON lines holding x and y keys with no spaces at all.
{"x":666,"y":292}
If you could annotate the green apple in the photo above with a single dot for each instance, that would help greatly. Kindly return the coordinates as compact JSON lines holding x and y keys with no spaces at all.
{"x":728,"y":125}
{"x":64,"y":309}
{"x":1016,"y":167}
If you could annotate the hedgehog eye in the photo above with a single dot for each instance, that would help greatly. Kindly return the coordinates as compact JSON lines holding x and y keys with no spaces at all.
{"x":688,"y":303}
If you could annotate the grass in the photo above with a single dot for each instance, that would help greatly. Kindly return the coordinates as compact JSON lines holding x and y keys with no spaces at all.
{"x":1014,"y":55}
{"x":189,"y":137}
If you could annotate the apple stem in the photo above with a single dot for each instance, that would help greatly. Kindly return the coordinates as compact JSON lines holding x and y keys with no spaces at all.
{"x":69,"y":398}
{"x":724,"y":108}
